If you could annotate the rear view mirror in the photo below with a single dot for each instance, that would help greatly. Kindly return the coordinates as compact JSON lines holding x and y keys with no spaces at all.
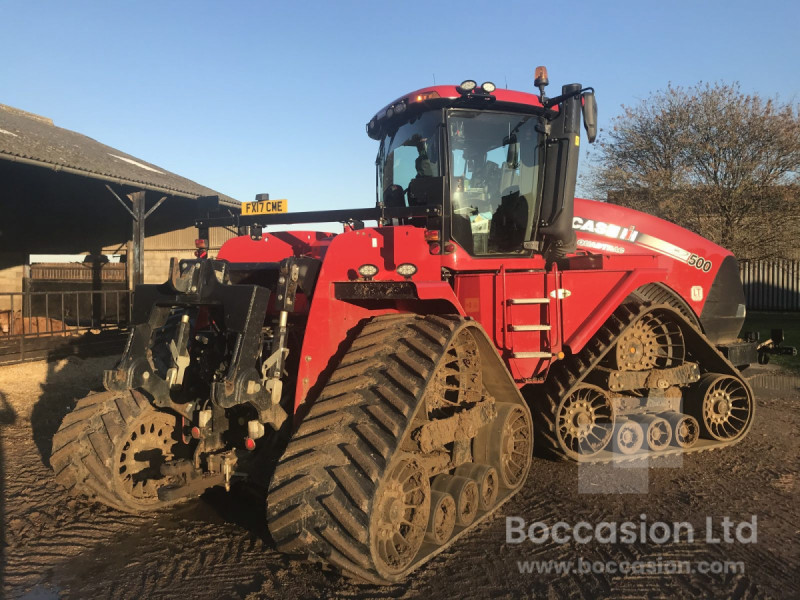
{"x":512,"y":156}
{"x":589,"y":115}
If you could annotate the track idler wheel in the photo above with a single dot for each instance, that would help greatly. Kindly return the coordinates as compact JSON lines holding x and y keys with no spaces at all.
{"x":442,"y":520}
{"x":657,"y":431}
{"x":506,"y":443}
{"x":401,"y":518}
{"x":686,"y":430}
{"x":487,"y":479}
{"x":628,"y":436}
{"x":584,"y":422}
{"x":464,"y":491}
{"x":723,"y":405}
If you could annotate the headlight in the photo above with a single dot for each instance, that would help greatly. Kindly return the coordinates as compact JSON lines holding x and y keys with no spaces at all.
{"x":406,"y":269}
{"x":468,"y":85}
{"x":489,"y":87}
{"x":368,"y":271}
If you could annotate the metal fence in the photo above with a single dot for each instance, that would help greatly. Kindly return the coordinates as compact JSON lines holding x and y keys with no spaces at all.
{"x":771,"y":284}
{"x":37,"y":325}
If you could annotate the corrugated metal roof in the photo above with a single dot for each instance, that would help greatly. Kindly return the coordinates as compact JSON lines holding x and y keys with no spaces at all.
{"x":32,"y":139}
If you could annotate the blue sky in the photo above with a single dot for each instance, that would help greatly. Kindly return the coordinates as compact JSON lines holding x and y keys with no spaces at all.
{"x":248,"y":97}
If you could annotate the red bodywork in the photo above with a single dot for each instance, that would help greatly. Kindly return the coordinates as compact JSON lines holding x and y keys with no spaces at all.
{"x":619,"y":250}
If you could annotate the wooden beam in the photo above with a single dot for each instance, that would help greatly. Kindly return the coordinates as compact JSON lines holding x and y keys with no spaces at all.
{"x":137,"y":237}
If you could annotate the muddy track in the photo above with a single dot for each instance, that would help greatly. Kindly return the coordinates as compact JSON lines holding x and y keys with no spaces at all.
{"x":323,"y":498}
{"x":91,"y":437}
{"x":566,"y":375}
{"x":218,"y":546}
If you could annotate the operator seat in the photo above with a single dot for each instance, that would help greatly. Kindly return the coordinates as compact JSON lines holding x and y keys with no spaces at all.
{"x":462,"y":232}
{"x":507,"y":230}
{"x":425,"y":191}
{"x":394,"y":196}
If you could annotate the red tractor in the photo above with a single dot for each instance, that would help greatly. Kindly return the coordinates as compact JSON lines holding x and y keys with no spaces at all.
{"x":399,"y":376}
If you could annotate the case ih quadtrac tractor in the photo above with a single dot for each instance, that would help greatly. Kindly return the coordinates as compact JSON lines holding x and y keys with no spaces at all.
{"x":399,"y":376}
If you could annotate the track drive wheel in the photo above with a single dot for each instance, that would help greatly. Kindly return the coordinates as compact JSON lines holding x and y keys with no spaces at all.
{"x":110,"y":448}
{"x":650,"y":343}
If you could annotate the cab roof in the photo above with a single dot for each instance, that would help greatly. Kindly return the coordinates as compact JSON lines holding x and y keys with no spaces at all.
{"x":438,"y":96}
{"x":451,"y":92}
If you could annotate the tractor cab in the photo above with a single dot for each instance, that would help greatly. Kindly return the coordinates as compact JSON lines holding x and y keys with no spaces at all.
{"x":499,"y":165}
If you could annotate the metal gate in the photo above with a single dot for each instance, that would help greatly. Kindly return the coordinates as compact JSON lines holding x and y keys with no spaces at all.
{"x":771,"y":284}
{"x":37,"y":325}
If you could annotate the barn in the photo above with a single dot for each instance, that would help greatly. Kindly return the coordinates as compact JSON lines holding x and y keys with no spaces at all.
{"x":81,"y":224}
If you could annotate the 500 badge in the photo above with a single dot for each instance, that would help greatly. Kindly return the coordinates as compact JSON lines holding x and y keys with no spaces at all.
{"x":698,"y":262}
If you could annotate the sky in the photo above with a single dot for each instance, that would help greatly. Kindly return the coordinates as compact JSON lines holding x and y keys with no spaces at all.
{"x":247,"y":97}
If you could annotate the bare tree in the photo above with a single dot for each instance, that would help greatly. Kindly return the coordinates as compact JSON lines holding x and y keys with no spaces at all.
{"x":713,"y":160}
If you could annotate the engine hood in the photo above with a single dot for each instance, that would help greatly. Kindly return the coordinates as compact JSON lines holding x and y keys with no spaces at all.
{"x":704,"y":274}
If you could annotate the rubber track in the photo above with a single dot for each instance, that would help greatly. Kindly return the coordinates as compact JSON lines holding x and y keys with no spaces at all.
{"x":321,"y":495}
{"x":658,"y":293}
{"x":83,"y":456}
{"x":565,"y":375}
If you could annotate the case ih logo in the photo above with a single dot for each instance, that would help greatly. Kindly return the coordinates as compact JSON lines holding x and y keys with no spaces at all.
{"x":626,"y":234}
{"x":629,"y":234}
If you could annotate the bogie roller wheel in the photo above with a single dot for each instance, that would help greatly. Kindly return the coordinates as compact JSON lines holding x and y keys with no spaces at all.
{"x":487,"y":479}
{"x":723,"y":405}
{"x":628,"y":437}
{"x":506,"y":444}
{"x":442,"y":519}
{"x":657,"y":431}
{"x":685,"y":429}
{"x":110,"y":448}
{"x":584,"y":422}
{"x":464,"y":491}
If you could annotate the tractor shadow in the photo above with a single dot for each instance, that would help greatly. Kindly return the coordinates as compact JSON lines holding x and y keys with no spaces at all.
{"x":244,"y":506}
{"x":7,"y":417}
{"x":72,"y":373}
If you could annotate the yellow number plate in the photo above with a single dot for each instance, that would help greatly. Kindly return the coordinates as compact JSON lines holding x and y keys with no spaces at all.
{"x":265,"y":207}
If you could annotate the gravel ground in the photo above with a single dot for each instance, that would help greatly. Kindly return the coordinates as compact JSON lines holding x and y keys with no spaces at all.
{"x":218,"y":546}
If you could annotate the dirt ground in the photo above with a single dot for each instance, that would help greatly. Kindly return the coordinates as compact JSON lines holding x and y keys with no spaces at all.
{"x":218,"y":546}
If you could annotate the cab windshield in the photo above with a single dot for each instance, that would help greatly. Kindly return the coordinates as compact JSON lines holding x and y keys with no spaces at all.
{"x":494,"y":179}
{"x":408,"y":162}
